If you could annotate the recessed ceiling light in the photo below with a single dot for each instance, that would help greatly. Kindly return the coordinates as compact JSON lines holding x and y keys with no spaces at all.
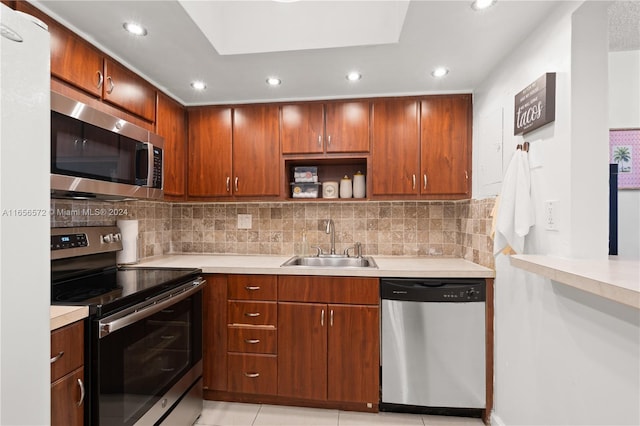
{"x":135,"y":29}
{"x":439,"y":72}
{"x":354,"y":76}
{"x":482,"y":4}
{"x":199,"y":85}
{"x":273,"y":81}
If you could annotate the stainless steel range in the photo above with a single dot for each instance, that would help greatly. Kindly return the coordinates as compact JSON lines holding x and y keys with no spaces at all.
{"x":143,"y":335}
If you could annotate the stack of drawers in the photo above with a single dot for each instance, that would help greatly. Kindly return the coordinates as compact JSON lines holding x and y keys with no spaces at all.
{"x":252,"y":313}
{"x":67,"y":375}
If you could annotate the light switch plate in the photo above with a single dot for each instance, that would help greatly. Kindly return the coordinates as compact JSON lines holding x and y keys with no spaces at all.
{"x":550,"y":215}
{"x":244,"y":221}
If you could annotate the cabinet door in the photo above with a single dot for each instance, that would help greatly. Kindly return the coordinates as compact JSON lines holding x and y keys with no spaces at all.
{"x":256,"y":157}
{"x":354,"y":354}
{"x":446,"y":145}
{"x":127,"y":90}
{"x":209,"y":173}
{"x":171,"y":124}
{"x":214,"y":345}
{"x":72,"y":59}
{"x":396,"y":153}
{"x":302,"y":350}
{"x":67,"y":404}
{"x":302,"y":128}
{"x":347,"y":126}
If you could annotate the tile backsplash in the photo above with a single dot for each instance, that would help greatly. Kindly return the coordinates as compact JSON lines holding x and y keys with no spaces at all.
{"x":399,"y":228}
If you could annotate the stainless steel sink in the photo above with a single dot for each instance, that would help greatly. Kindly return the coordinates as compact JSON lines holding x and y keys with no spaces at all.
{"x":331,"y":261}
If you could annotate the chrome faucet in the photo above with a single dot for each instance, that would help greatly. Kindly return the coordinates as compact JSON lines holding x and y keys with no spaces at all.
{"x":331,"y":229}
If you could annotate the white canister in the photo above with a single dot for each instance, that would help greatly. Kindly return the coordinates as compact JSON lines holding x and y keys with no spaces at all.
{"x":330,"y":189}
{"x":358,"y":185}
{"x":346,"y":188}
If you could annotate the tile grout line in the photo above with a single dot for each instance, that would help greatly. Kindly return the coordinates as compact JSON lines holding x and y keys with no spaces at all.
{"x":257,"y":413}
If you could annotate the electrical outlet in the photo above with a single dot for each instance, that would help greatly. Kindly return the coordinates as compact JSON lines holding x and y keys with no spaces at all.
{"x":244,"y":221}
{"x":550,"y":215}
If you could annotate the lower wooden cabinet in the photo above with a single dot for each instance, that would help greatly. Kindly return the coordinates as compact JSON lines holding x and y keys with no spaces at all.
{"x":67,"y":375}
{"x":295,"y":340}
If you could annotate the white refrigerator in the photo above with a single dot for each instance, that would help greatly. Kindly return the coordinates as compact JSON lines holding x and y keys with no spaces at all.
{"x":24,"y":220}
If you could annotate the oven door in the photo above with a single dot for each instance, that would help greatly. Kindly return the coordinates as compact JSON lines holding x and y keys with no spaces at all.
{"x":147,"y":357}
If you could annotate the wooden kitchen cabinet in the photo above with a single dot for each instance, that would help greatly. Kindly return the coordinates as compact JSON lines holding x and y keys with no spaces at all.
{"x":445,"y":149}
{"x":331,"y":127}
{"x":256,"y":159}
{"x":328,"y":339}
{"x":429,"y":142}
{"x":128,"y":91}
{"x":171,"y":124}
{"x":395,"y":147}
{"x":252,"y":315}
{"x":214,"y":341}
{"x":67,"y":375}
{"x":210,"y":152}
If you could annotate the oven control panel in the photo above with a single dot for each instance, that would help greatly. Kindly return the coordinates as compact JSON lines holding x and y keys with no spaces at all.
{"x":61,"y":242}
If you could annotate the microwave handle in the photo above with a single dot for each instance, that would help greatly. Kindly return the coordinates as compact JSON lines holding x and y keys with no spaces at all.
{"x":108,"y":325}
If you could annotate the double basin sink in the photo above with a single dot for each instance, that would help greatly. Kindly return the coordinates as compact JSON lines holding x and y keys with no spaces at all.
{"x":331,"y":261}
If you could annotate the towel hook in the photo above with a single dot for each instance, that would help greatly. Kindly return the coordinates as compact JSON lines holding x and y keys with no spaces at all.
{"x":524,"y":147}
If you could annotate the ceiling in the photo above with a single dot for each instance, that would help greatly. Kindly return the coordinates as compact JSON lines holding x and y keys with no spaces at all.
{"x":234,"y":46}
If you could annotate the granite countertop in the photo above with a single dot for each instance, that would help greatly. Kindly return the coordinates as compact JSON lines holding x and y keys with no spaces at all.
{"x":613,"y":278}
{"x":65,"y":315}
{"x":388,"y":266}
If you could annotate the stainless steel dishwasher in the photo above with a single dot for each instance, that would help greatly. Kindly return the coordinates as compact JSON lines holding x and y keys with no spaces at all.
{"x":433,"y":343}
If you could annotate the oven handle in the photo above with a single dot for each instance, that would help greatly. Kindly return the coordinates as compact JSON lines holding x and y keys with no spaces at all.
{"x":108,"y":325}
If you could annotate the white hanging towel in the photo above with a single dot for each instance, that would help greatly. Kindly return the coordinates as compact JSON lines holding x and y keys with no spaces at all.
{"x":515,"y":209}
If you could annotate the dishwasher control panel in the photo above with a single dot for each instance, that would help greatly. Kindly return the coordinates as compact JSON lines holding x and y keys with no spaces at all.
{"x":433,"y":289}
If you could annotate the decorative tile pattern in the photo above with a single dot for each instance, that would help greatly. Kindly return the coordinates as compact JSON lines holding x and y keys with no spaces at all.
{"x":398,"y":228}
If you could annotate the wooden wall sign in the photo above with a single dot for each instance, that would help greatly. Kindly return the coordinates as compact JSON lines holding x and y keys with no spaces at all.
{"x":535,"y":105}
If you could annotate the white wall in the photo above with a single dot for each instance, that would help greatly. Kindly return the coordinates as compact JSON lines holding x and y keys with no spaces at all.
{"x":624,"y":113}
{"x":562,"y":356}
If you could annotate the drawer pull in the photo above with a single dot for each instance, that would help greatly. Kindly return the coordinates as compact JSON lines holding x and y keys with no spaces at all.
{"x":57,"y":357}
{"x":252,"y":375}
{"x":81,"y":392}
{"x":252,"y":287}
{"x":252,"y":341}
{"x":252,"y":314}
{"x":167,"y":337}
{"x":167,"y":370}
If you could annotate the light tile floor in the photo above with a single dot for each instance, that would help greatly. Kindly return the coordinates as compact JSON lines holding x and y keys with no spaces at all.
{"x":216,"y":413}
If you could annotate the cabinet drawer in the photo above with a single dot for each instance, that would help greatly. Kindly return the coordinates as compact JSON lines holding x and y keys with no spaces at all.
{"x":253,"y":374}
{"x":323,"y":289}
{"x":252,"y":313}
{"x":252,"y":339}
{"x":67,"y":349}
{"x":252,"y":287}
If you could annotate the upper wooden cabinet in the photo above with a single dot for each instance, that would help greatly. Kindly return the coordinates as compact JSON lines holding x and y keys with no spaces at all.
{"x":77,"y":62}
{"x":445,"y":149}
{"x":331,"y":127}
{"x":395,"y":147}
{"x":210,"y":152}
{"x":171,"y":124}
{"x":256,"y":160}
{"x":422,"y":147}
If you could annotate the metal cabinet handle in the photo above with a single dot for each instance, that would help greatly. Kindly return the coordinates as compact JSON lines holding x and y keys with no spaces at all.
{"x":111,"y":85}
{"x":322,"y":318}
{"x":425,"y":180}
{"x":81,"y":392}
{"x":319,"y":140}
{"x":466,"y":175}
{"x":252,"y":287}
{"x":252,"y":314}
{"x":167,"y":370}
{"x":84,"y":143}
{"x":100,"y":80}
{"x":228,"y":183}
{"x":329,"y":139}
{"x":414,"y":181}
{"x":252,"y":341}
{"x":236,"y":184}
{"x":167,"y":337}
{"x":57,"y":357}
{"x":331,"y":318}
{"x":252,"y":375}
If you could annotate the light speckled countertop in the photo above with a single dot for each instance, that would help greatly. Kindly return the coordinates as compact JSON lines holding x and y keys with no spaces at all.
{"x":65,"y":315}
{"x":388,"y":266}
{"x":613,"y":278}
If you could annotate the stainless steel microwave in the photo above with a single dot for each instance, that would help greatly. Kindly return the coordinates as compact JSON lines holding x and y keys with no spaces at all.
{"x":97,"y":155}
